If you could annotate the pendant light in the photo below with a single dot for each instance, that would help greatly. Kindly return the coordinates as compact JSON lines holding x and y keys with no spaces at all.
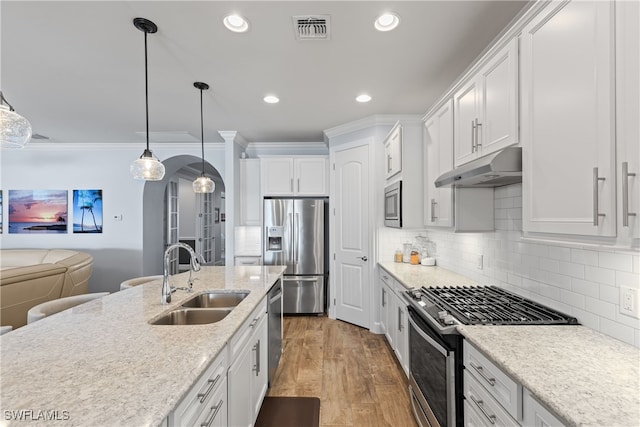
{"x":147,"y":167}
{"x":202,"y":184}
{"x":15,"y":130}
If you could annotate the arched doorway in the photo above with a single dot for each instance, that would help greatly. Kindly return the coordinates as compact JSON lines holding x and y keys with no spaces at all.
{"x":183,"y":167}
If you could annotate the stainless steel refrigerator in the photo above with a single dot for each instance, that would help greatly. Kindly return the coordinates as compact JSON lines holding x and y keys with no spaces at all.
{"x":296,"y":237}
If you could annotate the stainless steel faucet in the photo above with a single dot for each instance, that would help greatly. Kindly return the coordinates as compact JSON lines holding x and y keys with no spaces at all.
{"x":195,"y":266}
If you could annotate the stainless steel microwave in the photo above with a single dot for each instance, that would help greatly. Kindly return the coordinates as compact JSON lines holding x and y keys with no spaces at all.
{"x":393,"y":205}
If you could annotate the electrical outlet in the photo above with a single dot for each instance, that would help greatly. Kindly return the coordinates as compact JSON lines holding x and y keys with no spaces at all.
{"x":629,"y":302}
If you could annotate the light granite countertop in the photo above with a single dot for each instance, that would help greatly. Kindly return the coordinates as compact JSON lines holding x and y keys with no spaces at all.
{"x":102,"y":363}
{"x":416,"y":276}
{"x":583,"y":376}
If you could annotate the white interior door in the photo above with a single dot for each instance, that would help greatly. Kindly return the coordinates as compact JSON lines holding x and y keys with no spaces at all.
{"x":352,"y":236}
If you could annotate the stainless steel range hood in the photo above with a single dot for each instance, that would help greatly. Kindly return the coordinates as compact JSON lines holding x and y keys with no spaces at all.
{"x":494,"y":170}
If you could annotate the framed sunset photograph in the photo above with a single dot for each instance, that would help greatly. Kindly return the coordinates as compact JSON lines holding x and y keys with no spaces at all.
{"x":37,"y":211}
{"x":87,"y":211}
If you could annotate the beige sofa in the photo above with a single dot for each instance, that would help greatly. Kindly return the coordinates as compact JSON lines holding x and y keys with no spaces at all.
{"x":29,"y":277}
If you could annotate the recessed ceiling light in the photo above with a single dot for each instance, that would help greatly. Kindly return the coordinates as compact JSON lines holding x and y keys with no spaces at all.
{"x":387,"y":22}
{"x":271,"y":99}
{"x":236,"y":23}
{"x":363,"y":98}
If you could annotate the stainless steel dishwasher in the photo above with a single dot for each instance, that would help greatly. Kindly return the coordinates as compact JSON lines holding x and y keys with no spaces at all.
{"x":275,"y":328}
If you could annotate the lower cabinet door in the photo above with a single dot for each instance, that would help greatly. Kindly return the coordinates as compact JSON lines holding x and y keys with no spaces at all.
{"x":260,"y":368}
{"x":239,"y":388}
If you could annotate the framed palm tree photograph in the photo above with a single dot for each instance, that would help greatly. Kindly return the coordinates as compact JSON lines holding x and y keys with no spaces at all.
{"x":87,"y":211}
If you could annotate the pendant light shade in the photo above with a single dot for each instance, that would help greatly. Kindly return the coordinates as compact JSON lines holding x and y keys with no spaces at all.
{"x":202,"y":184}
{"x":15,"y":130}
{"x":147,"y":167}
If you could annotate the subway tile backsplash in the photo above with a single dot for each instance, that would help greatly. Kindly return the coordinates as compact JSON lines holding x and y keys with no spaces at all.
{"x":578,"y":280}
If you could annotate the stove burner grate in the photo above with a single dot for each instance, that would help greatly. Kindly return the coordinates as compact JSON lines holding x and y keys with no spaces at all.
{"x":473,"y":305}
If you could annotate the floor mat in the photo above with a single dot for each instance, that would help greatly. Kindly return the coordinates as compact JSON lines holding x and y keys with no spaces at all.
{"x":289,"y":412}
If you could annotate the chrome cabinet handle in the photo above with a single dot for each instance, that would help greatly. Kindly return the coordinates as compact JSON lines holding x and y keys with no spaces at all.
{"x":215,"y":410}
{"x":384,"y":303}
{"x":256,"y":367}
{"x":480,"y":371}
{"x":596,"y":214}
{"x":298,"y":185}
{"x":473,"y":139}
{"x":477,"y":128}
{"x":291,"y":184}
{"x":625,"y":194}
{"x":480,"y":405}
{"x":388,"y":163}
{"x":400,"y":320}
{"x":212,"y":384}
{"x":433,"y":210}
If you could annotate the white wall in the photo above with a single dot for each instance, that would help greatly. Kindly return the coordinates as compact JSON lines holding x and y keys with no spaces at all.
{"x":578,"y":279}
{"x":117,"y":251}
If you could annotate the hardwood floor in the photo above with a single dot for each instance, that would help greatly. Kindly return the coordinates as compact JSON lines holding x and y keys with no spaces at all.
{"x":352,"y":371}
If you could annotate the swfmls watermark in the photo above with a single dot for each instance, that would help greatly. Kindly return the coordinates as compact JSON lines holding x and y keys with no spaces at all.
{"x":36,"y":415}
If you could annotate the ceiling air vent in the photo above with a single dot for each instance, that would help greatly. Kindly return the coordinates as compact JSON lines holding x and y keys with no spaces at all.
{"x":312,"y":27}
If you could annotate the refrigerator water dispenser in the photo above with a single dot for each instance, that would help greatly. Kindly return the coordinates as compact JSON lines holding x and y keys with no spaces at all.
{"x":274,"y":238}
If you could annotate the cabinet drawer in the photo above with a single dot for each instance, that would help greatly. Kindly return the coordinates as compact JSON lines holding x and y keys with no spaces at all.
{"x":481,"y":407}
{"x":215,"y":411}
{"x":386,"y":278}
{"x":194,"y":404}
{"x":241,"y":337}
{"x":248,"y":260}
{"x":506,"y":391}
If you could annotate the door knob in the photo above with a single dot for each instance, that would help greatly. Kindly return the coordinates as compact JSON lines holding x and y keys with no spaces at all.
{"x":364,"y":258}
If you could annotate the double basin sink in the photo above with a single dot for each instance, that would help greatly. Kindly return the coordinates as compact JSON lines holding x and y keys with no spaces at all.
{"x":204,"y":308}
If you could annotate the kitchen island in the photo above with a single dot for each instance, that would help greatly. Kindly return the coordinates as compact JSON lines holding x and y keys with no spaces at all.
{"x":103,"y":363}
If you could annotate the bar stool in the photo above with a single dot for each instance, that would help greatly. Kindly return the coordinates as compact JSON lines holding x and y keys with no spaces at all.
{"x":48,"y":308}
{"x":138,"y":281}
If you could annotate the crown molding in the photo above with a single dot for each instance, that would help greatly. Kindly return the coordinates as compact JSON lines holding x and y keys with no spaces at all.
{"x":371,"y":121}
{"x":120,"y":146}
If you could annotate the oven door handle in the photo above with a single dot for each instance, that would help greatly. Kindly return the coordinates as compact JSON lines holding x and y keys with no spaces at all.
{"x":427,"y":338}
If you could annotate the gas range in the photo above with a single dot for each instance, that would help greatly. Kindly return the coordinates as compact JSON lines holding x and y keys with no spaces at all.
{"x":446,"y":307}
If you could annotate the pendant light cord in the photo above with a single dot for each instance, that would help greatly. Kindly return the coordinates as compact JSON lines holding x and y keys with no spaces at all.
{"x":202,"y":130}
{"x":146,"y":87}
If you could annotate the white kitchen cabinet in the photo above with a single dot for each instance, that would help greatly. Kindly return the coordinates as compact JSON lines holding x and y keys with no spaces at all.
{"x":206,"y":402}
{"x":387,"y":303}
{"x":408,"y":133}
{"x":536,"y":415}
{"x":311,"y":176}
{"x":393,"y":151}
{"x":493,"y":398}
{"x":393,"y":312}
{"x":247,"y":375}
{"x":486,"y":107}
{"x":438,"y":159}
{"x":250,"y":197}
{"x":295,"y":176}
{"x":402,"y":332}
{"x":627,"y":114}
{"x":506,"y":392}
{"x":567,"y":122}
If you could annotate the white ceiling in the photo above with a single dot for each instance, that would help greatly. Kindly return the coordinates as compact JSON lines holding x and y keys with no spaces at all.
{"x":75,"y":69}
